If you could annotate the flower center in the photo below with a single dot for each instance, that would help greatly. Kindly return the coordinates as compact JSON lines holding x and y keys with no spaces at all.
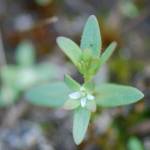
{"x":82,"y":95}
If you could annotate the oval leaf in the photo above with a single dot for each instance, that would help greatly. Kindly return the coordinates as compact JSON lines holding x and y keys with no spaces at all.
{"x":110,"y":95}
{"x":70,"y":48}
{"x":80,"y":124}
{"x":50,"y":95}
{"x":91,"y":38}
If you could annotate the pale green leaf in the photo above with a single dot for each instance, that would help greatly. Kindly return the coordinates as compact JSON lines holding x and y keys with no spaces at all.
{"x":97,"y":63}
{"x":50,"y":95}
{"x":71,"y":83}
{"x":110,"y":95}
{"x":107,"y":53}
{"x":25,"y":54}
{"x":91,"y":38}
{"x":80,"y":124}
{"x":71,"y":104}
{"x":70,"y":48}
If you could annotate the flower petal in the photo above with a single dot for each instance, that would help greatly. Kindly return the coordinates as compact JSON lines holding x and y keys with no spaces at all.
{"x":83,"y":101}
{"x":75,"y":95}
{"x":90,"y":97}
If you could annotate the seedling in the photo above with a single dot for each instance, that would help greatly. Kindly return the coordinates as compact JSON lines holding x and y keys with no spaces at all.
{"x":22,"y":75}
{"x":83,"y":99}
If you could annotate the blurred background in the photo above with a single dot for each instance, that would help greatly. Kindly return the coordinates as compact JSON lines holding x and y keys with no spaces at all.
{"x":29,"y":56}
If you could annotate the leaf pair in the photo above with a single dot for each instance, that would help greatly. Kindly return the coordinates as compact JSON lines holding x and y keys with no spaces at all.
{"x":91,"y":39}
{"x":87,"y":57}
{"x":17,"y":78}
{"x":106,"y":95}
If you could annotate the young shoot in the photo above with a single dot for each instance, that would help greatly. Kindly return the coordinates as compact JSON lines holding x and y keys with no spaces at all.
{"x":83,"y":99}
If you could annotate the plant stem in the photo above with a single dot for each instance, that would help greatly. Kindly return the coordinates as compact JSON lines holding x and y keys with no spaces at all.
{"x":85,"y":78}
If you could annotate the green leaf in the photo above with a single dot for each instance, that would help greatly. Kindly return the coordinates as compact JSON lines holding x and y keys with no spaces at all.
{"x":97,"y":63}
{"x":110,"y":95}
{"x":91,"y":38}
{"x":25,"y":55}
{"x":50,"y":95}
{"x":71,"y":83}
{"x":70,"y":48}
{"x":71,"y":104}
{"x":135,"y":144}
{"x":107,"y":53}
{"x":80,"y":124}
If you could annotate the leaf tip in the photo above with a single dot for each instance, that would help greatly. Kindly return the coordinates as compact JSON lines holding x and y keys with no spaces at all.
{"x":77,"y":141}
{"x":114,"y":44}
{"x":59,"y":39}
{"x":141,"y":95}
{"x":92,"y":17}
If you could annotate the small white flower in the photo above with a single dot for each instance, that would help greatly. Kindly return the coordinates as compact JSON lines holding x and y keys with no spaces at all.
{"x":82,"y":96}
{"x":90,"y":97}
{"x":75,"y":95}
{"x":83,"y":101}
